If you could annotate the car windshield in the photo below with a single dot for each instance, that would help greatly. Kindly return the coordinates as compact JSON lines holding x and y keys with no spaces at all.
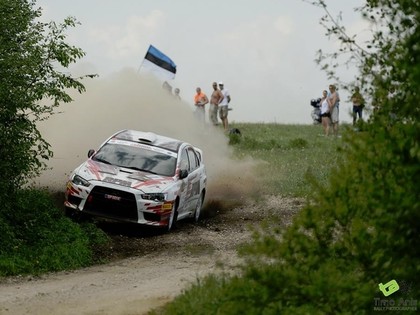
{"x":138,"y":157}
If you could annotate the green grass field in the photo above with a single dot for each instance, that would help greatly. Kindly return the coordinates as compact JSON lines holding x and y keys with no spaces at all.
{"x":291,"y":152}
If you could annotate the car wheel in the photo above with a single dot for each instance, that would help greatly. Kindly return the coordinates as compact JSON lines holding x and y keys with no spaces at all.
{"x":69,"y":212}
{"x":198,"y":207}
{"x":75,"y":215}
{"x":173,"y":218}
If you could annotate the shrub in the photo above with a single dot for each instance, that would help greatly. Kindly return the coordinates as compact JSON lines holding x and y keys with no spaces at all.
{"x":37,"y":237}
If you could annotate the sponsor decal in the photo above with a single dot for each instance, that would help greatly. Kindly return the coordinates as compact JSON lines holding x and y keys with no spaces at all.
{"x":117,"y":181}
{"x":112,"y":197}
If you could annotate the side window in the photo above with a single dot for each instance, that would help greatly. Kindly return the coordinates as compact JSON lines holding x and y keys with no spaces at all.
{"x":197,"y":158}
{"x":194,"y":163}
{"x":185,"y":164}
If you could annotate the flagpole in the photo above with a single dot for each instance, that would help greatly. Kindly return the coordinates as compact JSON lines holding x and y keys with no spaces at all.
{"x":138,"y":71}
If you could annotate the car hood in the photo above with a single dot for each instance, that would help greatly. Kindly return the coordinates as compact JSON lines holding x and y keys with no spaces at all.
{"x":144,"y":181}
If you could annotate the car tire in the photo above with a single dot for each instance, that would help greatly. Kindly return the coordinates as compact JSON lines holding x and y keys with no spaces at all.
{"x":198,"y":208}
{"x":68,"y":211}
{"x":75,"y":215}
{"x":173,"y":218}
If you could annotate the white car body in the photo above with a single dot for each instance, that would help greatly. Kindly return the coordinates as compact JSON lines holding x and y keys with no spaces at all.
{"x":139,"y":177}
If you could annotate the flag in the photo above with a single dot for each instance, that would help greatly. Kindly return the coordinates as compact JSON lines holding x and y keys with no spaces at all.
{"x":159,"y":64}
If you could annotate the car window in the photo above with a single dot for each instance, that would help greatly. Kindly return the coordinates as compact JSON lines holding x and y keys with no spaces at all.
{"x":194,"y":162}
{"x":137,"y":158}
{"x":185,"y":164}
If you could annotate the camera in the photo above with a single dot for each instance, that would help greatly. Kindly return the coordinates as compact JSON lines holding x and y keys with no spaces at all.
{"x":316,"y":112}
{"x":316,"y":102}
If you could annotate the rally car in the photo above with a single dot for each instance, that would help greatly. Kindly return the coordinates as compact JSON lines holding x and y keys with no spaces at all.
{"x":139,"y":177}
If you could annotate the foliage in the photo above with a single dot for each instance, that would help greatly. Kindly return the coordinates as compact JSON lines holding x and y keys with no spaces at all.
{"x":37,"y":237}
{"x":31,"y":52}
{"x":362,"y":228}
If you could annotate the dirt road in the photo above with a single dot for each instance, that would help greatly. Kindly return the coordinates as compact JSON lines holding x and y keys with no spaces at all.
{"x":160,"y":266}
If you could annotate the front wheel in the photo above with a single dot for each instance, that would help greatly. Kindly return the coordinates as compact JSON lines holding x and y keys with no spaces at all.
{"x":173,"y":218}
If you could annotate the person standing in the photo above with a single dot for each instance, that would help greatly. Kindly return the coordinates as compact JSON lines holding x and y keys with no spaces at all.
{"x":325,"y":112}
{"x":176,"y":94}
{"x":334,"y":100}
{"x":358,"y":104}
{"x":167,"y":87}
{"x":200,"y":101}
{"x":223,"y":106}
{"x":215,"y":99}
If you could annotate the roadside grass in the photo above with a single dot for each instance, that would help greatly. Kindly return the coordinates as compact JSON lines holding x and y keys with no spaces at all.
{"x":37,"y":237}
{"x":290,"y":154}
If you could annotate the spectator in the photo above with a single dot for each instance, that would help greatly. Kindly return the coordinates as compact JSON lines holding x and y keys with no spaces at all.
{"x":223,"y":106}
{"x":334,"y":101}
{"x":167,"y":87}
{"x":176,"y":94}
{"x":200,"y":101}
{"x":358,"y":104}
{"x":325,"y":113}
{"x":215,"y":99}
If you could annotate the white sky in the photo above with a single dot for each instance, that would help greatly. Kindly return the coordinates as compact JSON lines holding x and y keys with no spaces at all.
{"x":263,"y":50}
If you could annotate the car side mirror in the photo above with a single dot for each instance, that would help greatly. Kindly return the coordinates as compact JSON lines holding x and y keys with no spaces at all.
{"x":90,"y":153}
{"x":183,"y":174}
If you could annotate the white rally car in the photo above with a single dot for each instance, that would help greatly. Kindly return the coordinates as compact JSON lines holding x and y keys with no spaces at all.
{"x":139,"y":177}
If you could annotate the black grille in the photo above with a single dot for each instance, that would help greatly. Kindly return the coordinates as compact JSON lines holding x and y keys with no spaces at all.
{"x":74,"y":200}
{"x":151,"y":216}
{"x":112,"y":203}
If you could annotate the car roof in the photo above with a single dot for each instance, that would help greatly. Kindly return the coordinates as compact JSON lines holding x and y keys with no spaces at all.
{"x":149,"y":138}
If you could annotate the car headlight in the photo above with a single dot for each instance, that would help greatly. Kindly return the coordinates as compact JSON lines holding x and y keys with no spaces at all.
{"x":154,"y":196}
{"x":78,"y":180}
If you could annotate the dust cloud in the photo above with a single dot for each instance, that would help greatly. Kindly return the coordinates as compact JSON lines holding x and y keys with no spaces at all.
{"x":127,"y":100}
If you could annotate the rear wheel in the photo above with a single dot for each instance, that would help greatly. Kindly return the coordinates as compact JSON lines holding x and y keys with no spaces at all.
{"x":198,"y":207}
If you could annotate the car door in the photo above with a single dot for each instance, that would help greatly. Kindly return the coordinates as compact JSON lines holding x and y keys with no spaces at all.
{"x":184,"y":193}
{"x":193,"y":178}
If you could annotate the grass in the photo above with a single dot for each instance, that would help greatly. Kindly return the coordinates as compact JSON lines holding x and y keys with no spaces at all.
{"x":37,"y":237}
{"x":290,"y":153}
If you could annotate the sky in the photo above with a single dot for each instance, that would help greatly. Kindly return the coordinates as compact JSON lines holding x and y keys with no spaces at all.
{"x":262,"y":50}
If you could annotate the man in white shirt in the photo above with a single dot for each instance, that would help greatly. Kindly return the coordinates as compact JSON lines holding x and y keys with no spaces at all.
{"x":223,"y":106}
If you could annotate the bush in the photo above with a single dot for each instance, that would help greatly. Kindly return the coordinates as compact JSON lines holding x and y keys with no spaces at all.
{"x":358,"y":232}
{"x":37,"y":237}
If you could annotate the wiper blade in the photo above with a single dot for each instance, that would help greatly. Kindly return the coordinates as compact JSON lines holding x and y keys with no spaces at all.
{"x":141,"y":169}
{"x":101,"y":160}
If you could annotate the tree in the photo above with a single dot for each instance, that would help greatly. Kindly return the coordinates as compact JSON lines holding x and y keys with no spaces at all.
{"x":31,"y":54}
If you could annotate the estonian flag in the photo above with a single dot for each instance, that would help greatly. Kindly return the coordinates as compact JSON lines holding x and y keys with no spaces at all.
{"x":159,"y":64}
